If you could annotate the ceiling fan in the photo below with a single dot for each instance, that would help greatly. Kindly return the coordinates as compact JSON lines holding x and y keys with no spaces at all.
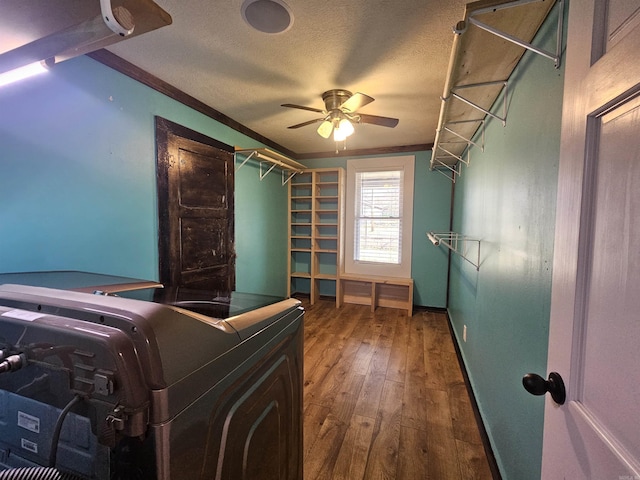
{"x":340,"y":113}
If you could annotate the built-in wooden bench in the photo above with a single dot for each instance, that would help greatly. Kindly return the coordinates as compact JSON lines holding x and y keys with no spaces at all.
{"x":376,"y":291}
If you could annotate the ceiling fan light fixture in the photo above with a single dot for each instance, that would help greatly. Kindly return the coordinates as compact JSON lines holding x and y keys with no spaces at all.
{"x":267,"y":16}
{"x":340,"y":113}
{"x":343,"y":130}
{"x":325,"y":129}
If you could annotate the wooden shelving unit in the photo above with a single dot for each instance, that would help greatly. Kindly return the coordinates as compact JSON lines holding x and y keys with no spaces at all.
{"x":316,"y":217}
{"x":377,"y":291}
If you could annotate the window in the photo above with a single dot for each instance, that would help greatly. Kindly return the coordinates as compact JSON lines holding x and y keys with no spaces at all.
{"x":378,"y":226}
{"x":379,"y":216}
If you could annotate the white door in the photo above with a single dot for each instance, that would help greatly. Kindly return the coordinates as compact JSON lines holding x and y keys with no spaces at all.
{"x":594,"y":341}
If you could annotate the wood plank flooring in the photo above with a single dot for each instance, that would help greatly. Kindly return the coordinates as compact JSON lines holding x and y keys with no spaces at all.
{"x":384,"y":398}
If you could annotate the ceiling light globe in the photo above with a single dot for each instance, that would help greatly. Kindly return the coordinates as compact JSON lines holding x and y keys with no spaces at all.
{"x":343,"y":130}
{"x":347,"y":127}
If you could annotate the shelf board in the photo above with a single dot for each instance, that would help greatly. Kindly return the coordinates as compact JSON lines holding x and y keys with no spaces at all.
{"x":300,"y":274}
{"x":268,"y":155}
{"x":325,"y":276}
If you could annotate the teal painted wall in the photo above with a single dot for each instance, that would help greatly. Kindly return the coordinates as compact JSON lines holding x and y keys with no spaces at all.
{"x":261,"y":232}
{"x":431,"y":212}
{"x":77,"y":180}
{"x":507,"y":198}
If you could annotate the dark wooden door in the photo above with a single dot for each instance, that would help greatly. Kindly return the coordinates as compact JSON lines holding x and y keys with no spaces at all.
{"x":195,"y":176}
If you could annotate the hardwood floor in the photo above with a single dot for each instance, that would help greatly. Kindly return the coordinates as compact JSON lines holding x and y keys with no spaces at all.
{"x":384,"y":398}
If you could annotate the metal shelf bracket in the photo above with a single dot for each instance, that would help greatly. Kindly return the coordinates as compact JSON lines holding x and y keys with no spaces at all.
{"x":451,"y":172}
{"x":468,"y":141}
{"x":449,"y":155}
{"x":505,"y":84}
{"x":467,"y":248}
{"x":268,"y":160}
{"x":264,"y":174}
{"x":552,"y":56}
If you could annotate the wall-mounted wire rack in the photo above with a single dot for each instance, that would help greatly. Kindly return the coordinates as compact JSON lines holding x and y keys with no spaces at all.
{"x":269,"y":160}
{"x":468,"y":248}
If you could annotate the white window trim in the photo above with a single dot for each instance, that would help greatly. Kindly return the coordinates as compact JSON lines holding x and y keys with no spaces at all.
{"x":403,"y":269}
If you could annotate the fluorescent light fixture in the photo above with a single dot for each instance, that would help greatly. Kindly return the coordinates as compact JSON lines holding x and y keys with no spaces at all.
{"x":22,"y":73}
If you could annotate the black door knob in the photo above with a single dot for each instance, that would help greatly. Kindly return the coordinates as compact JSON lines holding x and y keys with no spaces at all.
{"x":536,"y":385}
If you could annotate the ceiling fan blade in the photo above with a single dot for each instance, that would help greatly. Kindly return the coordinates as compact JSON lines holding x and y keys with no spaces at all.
{"x":304,"y":124}
{"x":356,"y":101}
{"x":301,"y":107}
{"x":325,"y":129}
{"x":376,"y":120}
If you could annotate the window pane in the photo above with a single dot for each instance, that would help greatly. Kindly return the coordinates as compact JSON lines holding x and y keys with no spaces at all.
{"x":378,"y":240}
{"x":378,"y":222}
{"x":378,"y":194}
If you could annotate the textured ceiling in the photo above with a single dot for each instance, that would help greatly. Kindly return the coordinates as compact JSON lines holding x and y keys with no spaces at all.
{"x":395,"y":51}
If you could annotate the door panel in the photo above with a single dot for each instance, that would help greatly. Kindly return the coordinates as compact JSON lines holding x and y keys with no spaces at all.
{"x":604,"y":397}
{"x":195,"y":201}
{"x":594,"y":329}
{"x":622,"y":17}
{"x":203,"y":183}
{"x":204,"y":243}
{"x":612,"y":299}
